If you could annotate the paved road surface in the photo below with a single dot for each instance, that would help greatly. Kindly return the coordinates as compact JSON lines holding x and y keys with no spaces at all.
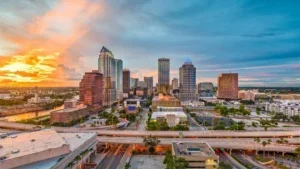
{"x":225,"y":159}
{"x":238,"y":144}
{"x":113,"y":157}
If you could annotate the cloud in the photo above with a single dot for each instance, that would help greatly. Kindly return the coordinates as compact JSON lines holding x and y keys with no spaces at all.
{"x":248,"y":37}
{"x":249,"y":68}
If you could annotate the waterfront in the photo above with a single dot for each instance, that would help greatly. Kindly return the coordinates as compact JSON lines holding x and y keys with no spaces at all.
{"x":29,"y":115}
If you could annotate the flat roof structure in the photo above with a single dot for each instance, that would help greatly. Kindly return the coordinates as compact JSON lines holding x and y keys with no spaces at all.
{"x":162,"y":114}
{"x":193,"y":149}
{"x":197,"y":154}
{"x":66,"y":110}
{"x":41,"y":149}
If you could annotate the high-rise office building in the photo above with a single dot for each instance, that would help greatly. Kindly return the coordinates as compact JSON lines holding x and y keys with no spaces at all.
{"x":149,"y":82}
{"x":132,"y":82}
{"x":110,"y":68}
{"x":187,"y":82}
{"x":175,"y":84}
{"x":126,"y":81}
{"x":91,"y":88}
{"x":163,"y":71}
{"x":228,"y":86}
{"x":119,"y":78}
{"x":105,"y":65}
{"x":163,"y":76}
{"x":206,"y":89}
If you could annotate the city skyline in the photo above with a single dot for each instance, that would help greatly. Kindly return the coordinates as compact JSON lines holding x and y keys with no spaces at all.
{"x":244,"y":37}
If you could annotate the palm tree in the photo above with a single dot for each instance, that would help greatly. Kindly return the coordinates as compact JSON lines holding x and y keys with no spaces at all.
{"x":297,"y":151}
{"x":70,"y":165}
{"x":264,"y":143}
{"x":151,"y":142}
{"x":127,"y":166}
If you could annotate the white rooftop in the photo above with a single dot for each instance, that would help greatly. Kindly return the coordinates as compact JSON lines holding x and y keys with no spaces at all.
{"x":30,"y":143}
{"x":74,"y":140}
{"x":163,"y":114}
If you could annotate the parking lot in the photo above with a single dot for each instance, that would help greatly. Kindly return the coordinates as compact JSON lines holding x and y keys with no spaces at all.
{"x":147,"y":162}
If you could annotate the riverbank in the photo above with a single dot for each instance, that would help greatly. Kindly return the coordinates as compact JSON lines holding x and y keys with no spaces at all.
{"x":29,"y":115}
{"x":18,"y":110}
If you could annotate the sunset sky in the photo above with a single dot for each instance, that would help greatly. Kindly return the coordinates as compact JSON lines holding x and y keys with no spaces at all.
{"x":52,"y":43}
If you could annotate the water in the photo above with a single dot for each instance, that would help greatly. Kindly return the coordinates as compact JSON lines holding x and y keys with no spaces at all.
{"x":29,"y":115}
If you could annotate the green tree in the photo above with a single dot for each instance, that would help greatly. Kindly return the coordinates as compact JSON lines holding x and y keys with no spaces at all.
{"x":151,"y":142}
{"x":127,"y":166}
{"x":223,"y":165}
{"x":257,"y":139}
{"x":180,"y":163}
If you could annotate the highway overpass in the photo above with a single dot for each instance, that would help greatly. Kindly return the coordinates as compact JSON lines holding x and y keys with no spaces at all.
{"x":187,"y":134}
{"x":231,"y":144}
{"x":164,"y":134}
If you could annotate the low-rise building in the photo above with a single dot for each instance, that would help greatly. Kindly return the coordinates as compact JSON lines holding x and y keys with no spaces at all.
{"x":132,"y":105}
{"x":251,"y":95}
{"x":171,"y":117}
{"x":198,"y":155}
{"x":193,"y":103}
{"x":36,"y":99}
{"x":287,"y":108}
{"x":4,"y":95}
{"x":47,"y":149}
{"x":70,"y":104}
{"x":67,"y":115}
{"x":164,"y":101}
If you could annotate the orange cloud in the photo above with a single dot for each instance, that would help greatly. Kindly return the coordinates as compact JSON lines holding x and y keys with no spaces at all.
{"x":45,"y":44}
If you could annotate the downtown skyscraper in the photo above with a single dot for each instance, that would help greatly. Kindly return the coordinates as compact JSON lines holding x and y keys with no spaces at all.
{"x":149,"y":83}
{"x":90,"y":88}
{"x":112,"y":70}
{"x":126,"y":82}
{"x":163,"y":75}
{"x":187,"y":82}
{"x":228,"y":86}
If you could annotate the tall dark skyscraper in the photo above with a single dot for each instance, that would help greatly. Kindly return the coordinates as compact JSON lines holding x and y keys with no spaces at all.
{"x":126,"y":81}
{"x":163,"y":71}
{"x":163,"y":85}
{"x":149,"y":83}
{"x":187,"y":82}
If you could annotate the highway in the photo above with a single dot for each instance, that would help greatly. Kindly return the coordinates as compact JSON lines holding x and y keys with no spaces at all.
{"x":188,"y":134}
{"x":113,"y":157}
{"x":227,"y":160}
{"x":168,"y":134}
{"x":234,"y":144}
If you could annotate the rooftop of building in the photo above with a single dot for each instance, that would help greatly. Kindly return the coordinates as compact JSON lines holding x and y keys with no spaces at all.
{"x":164,"y":97}
{"x":43,"y":140}
{"x":164,"y":59}
{"x":223,"y":74}
{"x":164,"y":113}
{"x":4,"y":92}
{"x":192,"y":149}
{"x":67,"y":110}
{"x":30,"y":143}
{"x":166,"y":109}
{"x":188,"y":61}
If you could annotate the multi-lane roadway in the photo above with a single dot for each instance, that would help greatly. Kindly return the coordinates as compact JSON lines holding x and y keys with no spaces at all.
{"x":234,"y":144}
{"x":113,"y":157}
